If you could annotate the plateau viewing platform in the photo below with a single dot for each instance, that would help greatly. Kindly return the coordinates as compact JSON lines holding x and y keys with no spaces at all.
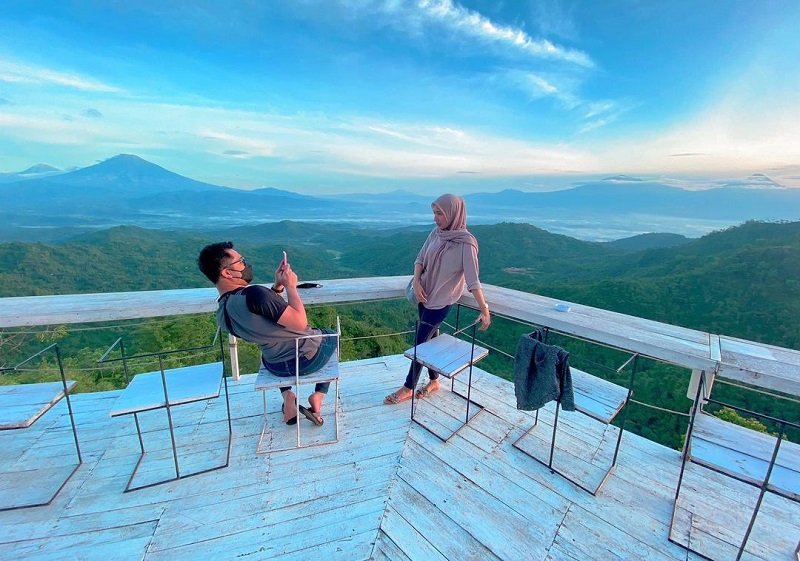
{"x":508,"y":484}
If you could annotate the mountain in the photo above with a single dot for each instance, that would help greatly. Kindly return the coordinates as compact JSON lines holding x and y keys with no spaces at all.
{"x":129,"y":174}
{"x":653,"y":198}
{"x":33,"y":172}
{"x":127,"y":189}
{"x":39,"y":169}
{"x":46,"y":204}
{"x":649,"y":241}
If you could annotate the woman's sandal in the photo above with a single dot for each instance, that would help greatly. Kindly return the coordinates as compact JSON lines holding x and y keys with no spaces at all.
{"x":427,"y":390}
{"x":394,"y":398}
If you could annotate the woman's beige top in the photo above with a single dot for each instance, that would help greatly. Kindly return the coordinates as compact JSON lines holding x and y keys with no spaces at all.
{"x":443,"y":280}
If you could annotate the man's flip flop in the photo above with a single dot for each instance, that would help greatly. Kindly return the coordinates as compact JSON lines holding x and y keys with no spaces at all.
{"x":311,"y":416}
{"x":293,"y":420}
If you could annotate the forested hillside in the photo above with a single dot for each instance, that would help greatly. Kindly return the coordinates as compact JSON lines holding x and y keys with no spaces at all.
{"x":741,"y":282}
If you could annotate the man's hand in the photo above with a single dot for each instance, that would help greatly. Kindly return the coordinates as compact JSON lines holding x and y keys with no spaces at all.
{"x":285,"y":276}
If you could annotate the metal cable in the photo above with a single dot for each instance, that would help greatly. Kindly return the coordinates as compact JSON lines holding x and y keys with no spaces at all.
{"x":749,"y":388}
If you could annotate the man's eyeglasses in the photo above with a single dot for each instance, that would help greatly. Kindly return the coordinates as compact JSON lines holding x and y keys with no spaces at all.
{"x":240,"y":260}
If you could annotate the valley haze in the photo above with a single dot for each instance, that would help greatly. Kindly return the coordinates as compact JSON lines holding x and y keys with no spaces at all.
{"x":41,"y":202}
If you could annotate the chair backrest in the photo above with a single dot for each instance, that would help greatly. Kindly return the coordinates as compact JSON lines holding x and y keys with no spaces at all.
{"x":216,"y":344}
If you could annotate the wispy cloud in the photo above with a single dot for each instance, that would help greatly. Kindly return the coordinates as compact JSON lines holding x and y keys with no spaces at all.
{"x":473,"y":25}
{"x":28,"y":74}
{"x":589,"y":115}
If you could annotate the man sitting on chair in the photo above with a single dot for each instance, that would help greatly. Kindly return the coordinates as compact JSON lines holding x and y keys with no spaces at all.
{"x":261,"y":315}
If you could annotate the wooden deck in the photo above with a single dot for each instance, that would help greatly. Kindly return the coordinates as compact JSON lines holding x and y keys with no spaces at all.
{"x":387,"y":490}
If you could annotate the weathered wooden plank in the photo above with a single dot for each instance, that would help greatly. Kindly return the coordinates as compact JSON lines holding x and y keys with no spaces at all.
{"x":259,"y":507}
{"x":86,"y":308}
{"x":121,"y":542}
{"x":446,"y":354}
{"x":586,"y":536}
{"x":713,"y":512}
{"x":745,"y":454}
{"x":184,"y":385}
{"x":278,"y":508}
{"x":677,"y":345}
{"x":385,"y":548}
{"x":422,"y":531}
{"x":349,"y":548}
{"x":503,"y":486}
{"x":295,"y":536}
{"x":22,"y":404}
{"x":596,"y":397}
{"x":555,"y":553}
{"x":502,"y":531}
{"x":567,"y":460}
{"x":759,"y":364}
{"x":32,"y":486}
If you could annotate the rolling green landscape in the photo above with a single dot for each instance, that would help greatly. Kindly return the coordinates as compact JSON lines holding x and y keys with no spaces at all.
{"x":741,"y":282}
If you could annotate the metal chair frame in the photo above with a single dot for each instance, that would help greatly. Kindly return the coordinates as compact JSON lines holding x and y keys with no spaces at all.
{"x":702,"y":397}
{"x":71,"y":420}
{"x":267,"y":381}
{"x":169,"y":406}
{"x":452,"y":376}
{"x":549,"y":463}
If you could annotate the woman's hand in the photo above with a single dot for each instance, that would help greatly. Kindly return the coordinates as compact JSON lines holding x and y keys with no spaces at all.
{"x":485,"y":318}
{"x":419,"y":292}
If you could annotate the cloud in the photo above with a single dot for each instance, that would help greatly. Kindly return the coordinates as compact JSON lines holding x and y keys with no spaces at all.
{"x":289,"y":144}
{"x":473,"y":25}
{"x":589,"y":115}
{"x":27,"y":74}
{"x":93,"y":114}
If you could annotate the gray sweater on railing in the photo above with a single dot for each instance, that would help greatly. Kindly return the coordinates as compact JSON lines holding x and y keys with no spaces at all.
{"x":541,"y":374}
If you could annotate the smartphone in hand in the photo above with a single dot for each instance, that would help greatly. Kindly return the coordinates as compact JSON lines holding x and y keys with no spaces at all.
{"x":283,"y":263}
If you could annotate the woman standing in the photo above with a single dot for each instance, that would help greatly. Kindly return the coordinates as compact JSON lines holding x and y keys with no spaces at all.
{"x":448,"y":258}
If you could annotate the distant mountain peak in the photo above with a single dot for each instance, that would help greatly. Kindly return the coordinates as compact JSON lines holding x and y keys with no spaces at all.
{"x":756,"y":181}
{"x":622,"y":178}
{"x":131,"y":174}
{"x":39,"y":168}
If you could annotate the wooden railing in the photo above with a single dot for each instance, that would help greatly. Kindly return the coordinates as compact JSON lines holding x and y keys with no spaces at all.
{"x":766,"y":366}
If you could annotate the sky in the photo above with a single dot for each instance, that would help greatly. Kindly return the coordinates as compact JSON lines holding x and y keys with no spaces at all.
{"x":348,"y":96}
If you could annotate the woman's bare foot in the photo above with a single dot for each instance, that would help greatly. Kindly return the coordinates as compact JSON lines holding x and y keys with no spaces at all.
{"x":428,"y":389}
{"x":403,"y":394}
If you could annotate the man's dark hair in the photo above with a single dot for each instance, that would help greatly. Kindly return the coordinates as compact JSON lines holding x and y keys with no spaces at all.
{"x":210,"y":259}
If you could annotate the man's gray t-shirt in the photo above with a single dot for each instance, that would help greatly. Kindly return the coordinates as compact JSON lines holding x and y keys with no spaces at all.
{"x":252,"y":314}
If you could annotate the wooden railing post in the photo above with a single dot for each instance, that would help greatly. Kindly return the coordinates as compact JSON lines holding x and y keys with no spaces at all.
{"x":233,"y":348}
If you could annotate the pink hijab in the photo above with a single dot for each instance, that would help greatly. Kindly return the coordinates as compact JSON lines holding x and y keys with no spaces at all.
{"x":455,"y":210}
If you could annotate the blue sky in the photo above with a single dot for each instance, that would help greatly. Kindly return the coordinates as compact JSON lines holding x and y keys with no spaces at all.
{"x":345,"y":96}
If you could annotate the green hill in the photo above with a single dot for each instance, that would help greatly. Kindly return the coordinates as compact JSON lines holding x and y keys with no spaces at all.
{"x":741,"y":282}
